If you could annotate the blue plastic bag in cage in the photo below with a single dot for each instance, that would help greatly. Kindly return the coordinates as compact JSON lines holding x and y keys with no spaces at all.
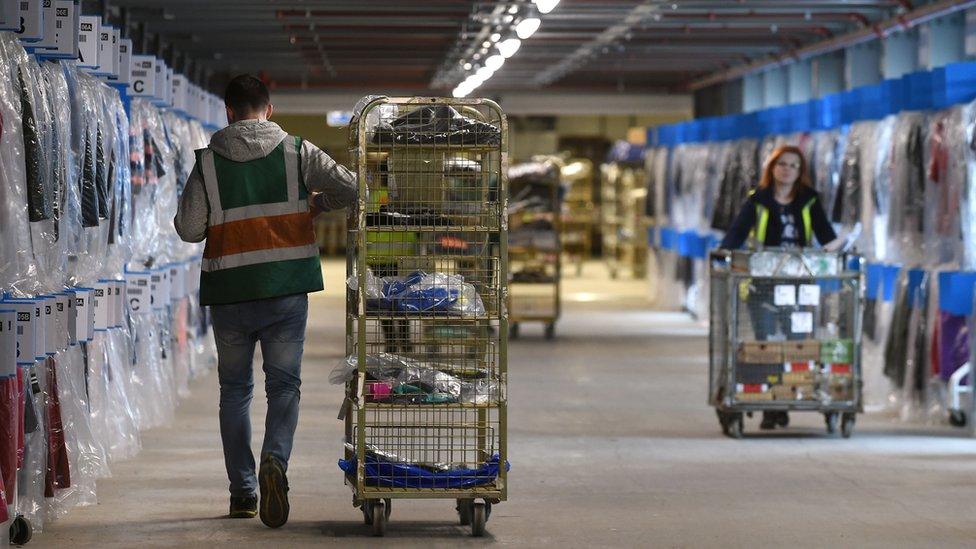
{"x":392,"y":474}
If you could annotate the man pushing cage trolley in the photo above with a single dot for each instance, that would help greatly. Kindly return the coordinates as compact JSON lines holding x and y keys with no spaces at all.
{"x":426,"y":324}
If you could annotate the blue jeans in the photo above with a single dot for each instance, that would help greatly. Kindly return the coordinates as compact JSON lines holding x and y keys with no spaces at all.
{"x":279,"y":324}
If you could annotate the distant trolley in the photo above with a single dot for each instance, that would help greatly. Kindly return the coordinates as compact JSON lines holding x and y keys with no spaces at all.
{"x":785,"y":336}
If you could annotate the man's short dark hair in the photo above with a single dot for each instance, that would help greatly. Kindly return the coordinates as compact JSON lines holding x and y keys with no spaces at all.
{"x":246,"y":94}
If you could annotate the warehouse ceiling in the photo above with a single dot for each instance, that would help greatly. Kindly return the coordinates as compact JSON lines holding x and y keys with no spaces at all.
{"x":423,"y":45}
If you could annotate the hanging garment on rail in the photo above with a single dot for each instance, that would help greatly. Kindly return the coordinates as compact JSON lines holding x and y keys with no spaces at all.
{"x":847,"y":202}
{"x":89,"y":187}
{"x":907,"y":206}
{"x":9,"y":436}
{"x":38,"y":206}
{"x":947,"y":172}
{"x":741,"y":173}
{"x":58,"y":475}
{"x":953,"y":343}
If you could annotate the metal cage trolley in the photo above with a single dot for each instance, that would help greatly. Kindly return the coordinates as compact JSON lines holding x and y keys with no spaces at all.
{"x":785,"y":335}
{"x":426,"y":326}
{"x":535,"y":248}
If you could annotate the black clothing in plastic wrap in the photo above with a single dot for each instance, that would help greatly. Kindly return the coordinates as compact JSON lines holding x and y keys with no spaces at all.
{"x":825,"y":164}
{"x":436,"y":125}
{"x":415,"y":218}
{"x":904,"y":320}
{"x":740,"y":175}
{"x":38,"y":206}
{"x":89,"y":195}
{"x":847,"y":203}
{"x":115,"y":206}
{"x":101,"y":177}
{"x":907,"y":202}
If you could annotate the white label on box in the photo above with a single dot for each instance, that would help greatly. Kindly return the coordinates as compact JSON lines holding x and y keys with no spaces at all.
{"x":8,"y":341}
{"x":138,"y":292}
{"x":71,"y":323}
{"x":160,"y":87}
{"x":111,"y":299}
{"x":118,"y":292}
{"x":61,"y":321}
{"x":116,"y":43}
{"x":25,"y":333}
{"x":83,"y":315}
{"x":50,"y":325}
{"x":801,"y":322}
{"x":88,"y":42}
{"x":105,"y":52}
{"x":784,"y":295}
{"x":177,"y":281}
{"x":61,"y":22}
{"x":119,"y":303}
{"x":160,"y":289}
{"x":179,"y":92}
{"x":168,"y":87}
{"x":8,"y":13}
{"x":40,"y":332}
{"x":125,"y":61}
{"x":143,"y":74}
{"x":810,"y":294}
{"x":101,"y":306}
{"x":30,"y":20}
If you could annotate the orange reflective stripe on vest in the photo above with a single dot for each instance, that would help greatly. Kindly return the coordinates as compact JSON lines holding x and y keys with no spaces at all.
{"x":260,"y":237}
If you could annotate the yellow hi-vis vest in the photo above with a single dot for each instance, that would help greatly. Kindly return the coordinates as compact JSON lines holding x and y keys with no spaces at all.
{"x":260,"y":239}
{"x":762,"y":223}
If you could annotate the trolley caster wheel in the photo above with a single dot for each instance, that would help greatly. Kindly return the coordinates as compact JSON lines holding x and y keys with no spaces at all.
{"x":550,"y":331}
{"x":513,"y":331}
{"x":479,"y":516}
{"x":380,"y":516}
{"x":464,"y":510}
{"x":831,"y":419}
{"x":957,"y":418}
{"x":732,"y":426}
{"x":21,"y":531}
{"x":847,"y":425}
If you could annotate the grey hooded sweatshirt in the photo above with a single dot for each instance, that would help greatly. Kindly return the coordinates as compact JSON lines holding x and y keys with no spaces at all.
{"x":250,"y":139}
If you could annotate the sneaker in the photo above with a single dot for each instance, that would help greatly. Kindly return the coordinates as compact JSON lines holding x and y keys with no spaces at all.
{"x":274,"y":492}
{"x":783,"y":419}
{"x":768,"y":421}
{"x":243,"y":506}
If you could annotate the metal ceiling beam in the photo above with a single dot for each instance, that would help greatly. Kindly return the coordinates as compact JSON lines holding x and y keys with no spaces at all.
{"x":880,"y":30}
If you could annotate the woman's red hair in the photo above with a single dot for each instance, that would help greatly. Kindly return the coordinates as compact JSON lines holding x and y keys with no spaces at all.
{"x":767,"y":176}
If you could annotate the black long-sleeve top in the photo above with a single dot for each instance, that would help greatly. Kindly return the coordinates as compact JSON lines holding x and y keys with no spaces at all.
{"x":746,"y":219}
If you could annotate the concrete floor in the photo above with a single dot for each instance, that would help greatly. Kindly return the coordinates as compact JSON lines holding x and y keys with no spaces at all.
{"x":611,"y":445}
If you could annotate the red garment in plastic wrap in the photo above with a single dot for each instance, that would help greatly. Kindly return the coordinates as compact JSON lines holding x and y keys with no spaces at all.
{"x":8,"y":434}
{"x":21,"y":403}
{"x":58,"y":474}
{"x":4,"y":514}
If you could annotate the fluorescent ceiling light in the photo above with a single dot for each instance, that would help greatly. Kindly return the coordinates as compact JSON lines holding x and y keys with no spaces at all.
{"x":508,"y":47}
{"x":495,"y":62}
{"x":484,"y":73}
{"x":545,"y":6}
{"x":527,"y":27}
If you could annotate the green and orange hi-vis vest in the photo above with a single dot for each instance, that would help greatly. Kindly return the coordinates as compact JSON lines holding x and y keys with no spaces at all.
{"x":260,"y":240}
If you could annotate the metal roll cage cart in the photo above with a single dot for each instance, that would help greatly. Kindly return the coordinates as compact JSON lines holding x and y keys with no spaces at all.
{"x":426,"y":325}
{"x":535,"y":253}
{"x":785,"y":335}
